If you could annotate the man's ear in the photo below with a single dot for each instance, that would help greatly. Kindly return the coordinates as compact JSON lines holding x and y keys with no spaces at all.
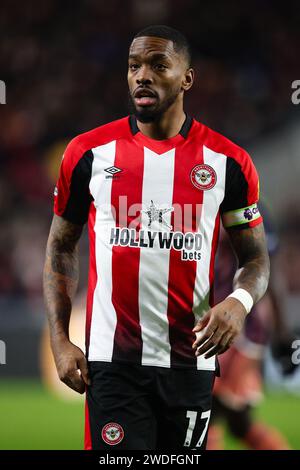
{"x":188,"y":80}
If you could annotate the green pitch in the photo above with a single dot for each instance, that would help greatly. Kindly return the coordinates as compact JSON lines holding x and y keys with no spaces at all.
{"x":32,"y":418}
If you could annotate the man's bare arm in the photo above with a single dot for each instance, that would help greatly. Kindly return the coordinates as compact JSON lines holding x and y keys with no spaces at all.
{"x":221,"y":324}
{"x":61,"y":274}
{"x":60,"y":283}
{"x":254,"y":266}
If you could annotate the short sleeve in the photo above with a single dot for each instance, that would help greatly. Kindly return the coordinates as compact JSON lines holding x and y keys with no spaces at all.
{"x":239,"y":208}
{"x":72,"y":196}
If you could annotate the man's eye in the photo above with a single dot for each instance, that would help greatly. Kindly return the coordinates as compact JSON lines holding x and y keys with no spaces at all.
{"x":160,"y":66}
{"x":133,"y":66}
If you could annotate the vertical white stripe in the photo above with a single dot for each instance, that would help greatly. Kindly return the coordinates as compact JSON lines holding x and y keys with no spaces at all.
{"x":158,"y":182}
{"x":212,"y":199}
{"x":104,"y":318}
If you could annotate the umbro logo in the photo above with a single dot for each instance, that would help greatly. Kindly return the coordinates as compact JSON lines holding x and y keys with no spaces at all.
{"x":112,"y":170}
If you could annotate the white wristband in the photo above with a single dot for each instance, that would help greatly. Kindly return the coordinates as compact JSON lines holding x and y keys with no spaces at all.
{"x":244,"y":297}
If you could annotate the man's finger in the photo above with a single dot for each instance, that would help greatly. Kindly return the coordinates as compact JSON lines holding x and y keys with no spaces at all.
{"x":213,"y":341}
{"x":74,"y":381}
{"x":221,"y":346}
{"x":202,"y":338}
{"x":202,"y":323}
{"x":224,"y":349}
{"x":226,"y":343}
{"x":205,"y":334}
{"x":213,"y":351}
{"x":82,"y":364}
{"x":217,"y":349}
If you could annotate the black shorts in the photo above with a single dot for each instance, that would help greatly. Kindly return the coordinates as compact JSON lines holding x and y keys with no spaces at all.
{"x":147,"y":408}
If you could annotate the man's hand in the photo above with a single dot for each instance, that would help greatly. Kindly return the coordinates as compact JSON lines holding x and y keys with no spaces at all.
{"x":69,"y":360}
{"x":218,"y":328}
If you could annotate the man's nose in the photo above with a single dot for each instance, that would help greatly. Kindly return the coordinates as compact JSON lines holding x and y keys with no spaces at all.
{"x":144,"y":76}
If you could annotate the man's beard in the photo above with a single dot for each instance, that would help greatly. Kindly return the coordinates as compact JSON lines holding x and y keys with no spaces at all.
{"x":150,"y":115}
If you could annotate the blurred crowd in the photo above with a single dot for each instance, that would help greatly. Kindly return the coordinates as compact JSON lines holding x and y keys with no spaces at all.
{"x":64,"y":65}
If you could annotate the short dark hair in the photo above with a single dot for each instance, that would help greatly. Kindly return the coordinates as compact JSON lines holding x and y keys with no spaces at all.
{"x":180,"y":42}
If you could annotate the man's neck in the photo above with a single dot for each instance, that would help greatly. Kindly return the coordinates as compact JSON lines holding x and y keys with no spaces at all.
{"x":166,"y":127}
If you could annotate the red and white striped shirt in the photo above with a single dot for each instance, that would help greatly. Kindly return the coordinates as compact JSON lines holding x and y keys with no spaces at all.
{"x":153,"y":209}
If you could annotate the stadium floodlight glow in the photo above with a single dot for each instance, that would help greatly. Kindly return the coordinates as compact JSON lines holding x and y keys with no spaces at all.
{"x":2,"y":352}
{"x":2,"y":92}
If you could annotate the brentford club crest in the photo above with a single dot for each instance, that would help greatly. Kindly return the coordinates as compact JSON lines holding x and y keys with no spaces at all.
{"x":203,"y":177}
{"x":112,"y":433}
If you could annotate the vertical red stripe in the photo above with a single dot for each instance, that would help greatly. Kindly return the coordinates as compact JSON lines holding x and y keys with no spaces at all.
{"x":87,"y":429}
{"x":214,"y":246}
{"x":182,"y":274}
{"x":92,"y":282}
{"x":125,"y":259}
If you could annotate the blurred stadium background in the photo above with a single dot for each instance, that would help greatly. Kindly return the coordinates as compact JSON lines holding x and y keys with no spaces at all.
{"x":64,"y":65}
